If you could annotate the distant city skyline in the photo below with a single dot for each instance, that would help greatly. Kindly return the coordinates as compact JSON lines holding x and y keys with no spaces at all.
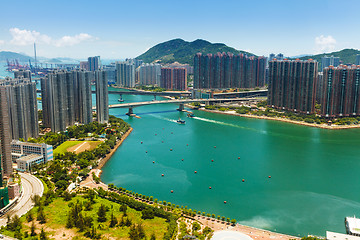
{"x":126,"y":29}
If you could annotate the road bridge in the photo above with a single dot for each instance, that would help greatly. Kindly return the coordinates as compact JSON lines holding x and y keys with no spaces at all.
{"x":181,"y":103}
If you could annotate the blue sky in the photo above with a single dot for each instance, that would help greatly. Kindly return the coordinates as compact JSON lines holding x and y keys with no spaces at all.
{"x":120,"y":29}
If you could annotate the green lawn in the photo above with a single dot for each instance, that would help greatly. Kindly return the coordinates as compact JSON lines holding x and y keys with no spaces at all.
{"x":63,"y":147}
{"x":66,"y":145}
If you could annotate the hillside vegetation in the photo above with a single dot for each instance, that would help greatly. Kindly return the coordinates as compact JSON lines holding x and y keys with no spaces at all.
{"x":347,"y":56}
{"x":178,"y":50}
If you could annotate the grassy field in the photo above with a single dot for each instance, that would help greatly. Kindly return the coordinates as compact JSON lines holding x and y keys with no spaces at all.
{"x":68,"y":144}
{"x":56,"y":217}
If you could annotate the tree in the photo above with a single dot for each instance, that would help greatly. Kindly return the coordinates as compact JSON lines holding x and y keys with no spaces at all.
{"x":233,"y":221}
{"x":147,"y":213}
{"x":227,"y":220}
{"x":29,"y":216}
{"x":36,"y":200}
{"x":153,"y":236}
{"x":113,"y":221}
{"x":32,"y":229}
{"x":123,"y":209}
{"x":101,"y":213}
{"x":43,"y":234}
{"x":41,"y":217}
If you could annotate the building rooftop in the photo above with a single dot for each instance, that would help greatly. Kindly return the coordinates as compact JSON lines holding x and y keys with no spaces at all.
{"x":353,"y":225}
{"x":30,"y":157}
{"x":340,"y":236}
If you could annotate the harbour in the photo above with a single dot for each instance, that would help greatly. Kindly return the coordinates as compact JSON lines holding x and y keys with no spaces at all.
{"x":311,"y":169}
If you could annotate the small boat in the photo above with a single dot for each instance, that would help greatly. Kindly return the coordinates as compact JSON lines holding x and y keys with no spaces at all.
{"x":120,"y":100}
{"x":180,"y":121}
{"x":190,"y":115}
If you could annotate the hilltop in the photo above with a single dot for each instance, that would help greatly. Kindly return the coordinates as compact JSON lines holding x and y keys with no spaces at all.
{"x":347,"y":56}
{"x":178,"y":50}
{"x":13,"y":55}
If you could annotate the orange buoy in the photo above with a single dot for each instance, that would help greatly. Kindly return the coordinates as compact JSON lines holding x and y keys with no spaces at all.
{"x":162,"y":141}
{"x":214,"y":146}
{"x":172,"y":191}
{"x":170,"y":149}
{"x":209,"y":187}
{"x":225,"y":202}
{"x":195,"y":172}
{"x":182,"y":159}
{"x":153,"y":161}
{"x":141,"y":142}
{"x":269,"y":176}
{"x":243,"y":180}
{"x":155,"y":134}
{"x":187,"y":144}
{"x":238,"y":157}
{"x":146,"y":151}
{"x":162,"y":175}
{"x":212,"y":160}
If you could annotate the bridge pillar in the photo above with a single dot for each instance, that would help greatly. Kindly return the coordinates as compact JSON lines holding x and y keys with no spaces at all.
{"x":130,"y":112}
{"x":181,"y":107}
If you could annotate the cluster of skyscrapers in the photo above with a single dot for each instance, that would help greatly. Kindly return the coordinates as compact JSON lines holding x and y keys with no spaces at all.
{"x":173,"y":78}
{"x":226,"y":70}
{"x":293,"y":86}
{"x":66,"y":98}
{"x":149,"y":74}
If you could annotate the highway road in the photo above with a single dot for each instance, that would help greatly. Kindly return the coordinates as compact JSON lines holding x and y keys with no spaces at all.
{"x":31,"y":186}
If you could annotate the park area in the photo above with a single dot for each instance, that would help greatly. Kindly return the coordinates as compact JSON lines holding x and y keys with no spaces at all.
{"x":76,"y":146}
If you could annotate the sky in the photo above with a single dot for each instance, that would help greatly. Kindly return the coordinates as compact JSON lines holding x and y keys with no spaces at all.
{"x":117,"y":29}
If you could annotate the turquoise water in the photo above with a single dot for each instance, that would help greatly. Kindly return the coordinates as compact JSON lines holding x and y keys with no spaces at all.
{"x":314,"y":173}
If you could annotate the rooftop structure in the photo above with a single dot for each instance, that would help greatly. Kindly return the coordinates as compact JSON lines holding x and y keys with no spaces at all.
{"x":352,"y":225}
{"x":340,"y":236}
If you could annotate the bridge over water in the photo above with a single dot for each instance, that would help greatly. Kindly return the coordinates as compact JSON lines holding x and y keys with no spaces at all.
{"x":181,"y":102}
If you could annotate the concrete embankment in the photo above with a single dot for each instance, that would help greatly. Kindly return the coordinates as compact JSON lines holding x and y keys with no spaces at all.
{"x":109,"y":155}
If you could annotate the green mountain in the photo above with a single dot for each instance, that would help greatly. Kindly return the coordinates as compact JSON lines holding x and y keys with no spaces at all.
{"x":347,"y":56}
{"x":13,"y":55}
{"x":178,"y":50}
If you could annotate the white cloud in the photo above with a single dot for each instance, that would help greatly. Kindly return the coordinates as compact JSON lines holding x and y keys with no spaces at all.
{"x":2,"y":42}
{"x":325,"y":44}
{"x":72,"y":40}
{"x":26,"y":37}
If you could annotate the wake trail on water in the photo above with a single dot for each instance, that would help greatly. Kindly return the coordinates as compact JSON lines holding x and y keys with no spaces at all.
{"x":227,"y":124}
{"x":166,"y":119}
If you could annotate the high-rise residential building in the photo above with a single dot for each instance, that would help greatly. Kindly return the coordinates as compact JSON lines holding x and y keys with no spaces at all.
{"x":166,"y":80}
{"x":179,"y":79}
{"x":292,"y":85}
{"x":94,"y":63}
{"x":5,"y":136}
{"x":58,"y":100}
{"x":111,"y":72}
{"x":173,"y":79}
{"x":341,"y":92}
{"x":271,"y":56}
{"x":134,"y":61}
{"x":84,"y":65}
{"x":228,"y":71}
{"x":149,"y":74}
{"x":83,"y":97}
{"x":357,"y":61}
{"x":125,"y":74}
{"x":22,"y":107}
{"x":102,"y":99}
{"x":189,"y":69}
{"x":329,"y":61}
{"x":66,"y":98}
{"x":22,"y":73}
